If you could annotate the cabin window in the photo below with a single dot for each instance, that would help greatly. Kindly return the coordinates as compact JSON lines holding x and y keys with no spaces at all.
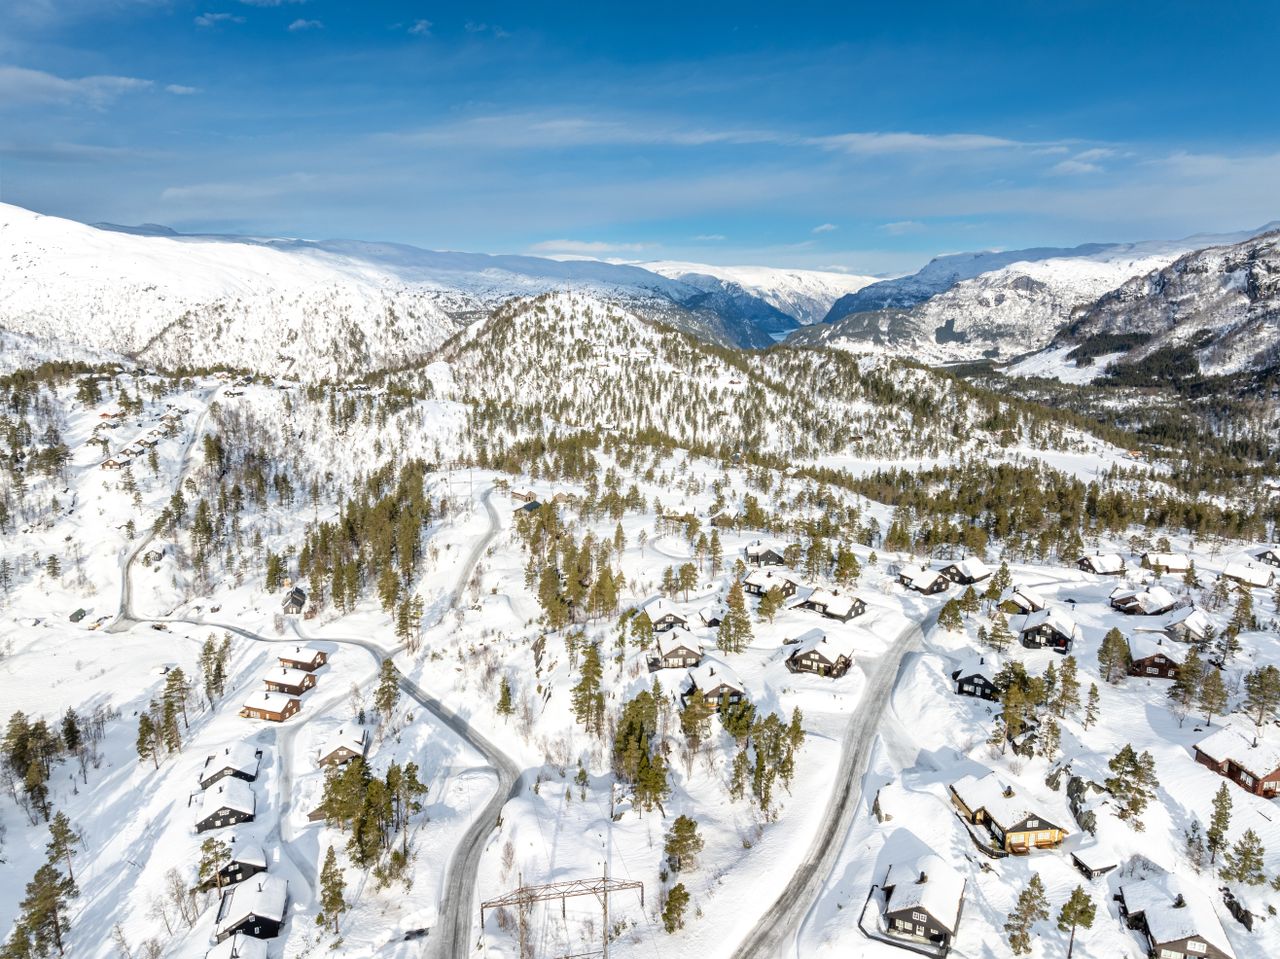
{"x":1033,"y":823}
{"x":1170,"y":954}
{"x":1246,"y":779}
{"x":919,"y":917}
{"x":1152,"y":670}
{"x":1193,"y":946}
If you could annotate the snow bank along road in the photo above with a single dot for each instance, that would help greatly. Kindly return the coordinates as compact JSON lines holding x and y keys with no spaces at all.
{"x":774,"y":935}
{"x":453,"y":927}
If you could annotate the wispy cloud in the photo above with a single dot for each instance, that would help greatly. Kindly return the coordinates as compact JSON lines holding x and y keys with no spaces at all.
{"x":535,"y":131}
{"x":300,"y":24}
{"x":420,"y":28}
{"x":63,"y":152}
{"x":824,"y":228}
{"x":587,"y":247}
{"x":710,"y":237}
{"x":179,"y":90}
{"x":902,"y":227}
{"x":472,"y":26}
{"x":879,"y":144}
{"x":213,"y":19}
{"x":20,"y":85}
{"x":241,"y":190}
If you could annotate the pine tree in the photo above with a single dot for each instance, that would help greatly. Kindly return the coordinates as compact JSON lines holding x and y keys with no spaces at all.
{"x":1078,"y":910}
{"x":1185,"y":688}
{"x":1133,"y":783}
{"x":1262,"y":694}
{"x":1050,"y":739}
{"x":1193,"y":845}
{"x":45,"y":909}
{"x":62,"y":843}
{"x":1113,"y":657}
{"x":588,"y":705}
{"x":1213,"y":695}
{"x":214,"y":854}
{"x":177,"y":690}
{"x":1219,"y":823}
{"x":332,"y":890}
{"x":1032,"y":907}
{"x":387,"y":693}
{"x":674,"y":910}
{"x":71,"y":736}
{"x":682,"y":844}
{"x":1068,"y":697}
{"x":146,"y":741}
{"x":505,"y":706}
{"x":1244,"y":861}
{"x":950,"y":617}
{"x":735,"y":629}
{"x":1093,"y":707}
{"x":770,"y":603}
{"x":999,"y":638}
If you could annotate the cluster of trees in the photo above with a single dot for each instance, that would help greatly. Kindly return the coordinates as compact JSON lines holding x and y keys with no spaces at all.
{"x":374,"y":811}
{"x":1132,"y":783}
{"x":1032,"y":906}
{"x":44,"y":919}
{"x":1039,"y":704}
{"x":158,"y":731}
{"x":32,"y":749}
{"x":766,"y":755}
{"x":638,"y":756}
{"x":1242,"y":861}
{"x":573,"y":581}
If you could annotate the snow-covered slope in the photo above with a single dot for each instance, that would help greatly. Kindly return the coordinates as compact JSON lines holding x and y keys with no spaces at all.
{"x":999,"y":313}
{"x":1222,"y":304}
{"x":805,"y":295}
{"x":316,"y":309}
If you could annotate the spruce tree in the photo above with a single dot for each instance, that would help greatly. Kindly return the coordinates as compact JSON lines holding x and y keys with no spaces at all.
{"x":332,"y":890}
{"x":1094,"y":706}
{"x":674,"y":910}
{"x":505,"y":706}
{"x":1219,"y":822}
{"x":1244,"y":861}
{"x":1132,"y":783}
{"x":1113,"y":657}
{"x":1068,"y":697}
{"x":1262,"y":694}
{"x":1077,"y":911}
{"x":63,"y":839}
{"x":1032,"y":907}
{"x":999,"y":638}
{"x":45,"y":910}
{"x":1185,"y":688}
{"x":387,"y":693}
{"x":950,"y":617}
{"x":770,"y":603}
{"x":1213,"y":695}
{"x":146,"y":742}
{"x":214,"y":854}
{"x":682,"y":844}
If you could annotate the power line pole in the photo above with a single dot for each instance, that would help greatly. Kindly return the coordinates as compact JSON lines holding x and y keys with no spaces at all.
{"x":604,"y":899}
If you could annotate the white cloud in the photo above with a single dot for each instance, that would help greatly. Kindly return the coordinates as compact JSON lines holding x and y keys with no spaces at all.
{"x":824,"y":228}
{"x":536,"y":131}
{"x":233,"y":191}
{"x":876,"y":143}
{"x":902,"y":227}
{"x":213,"y":19}
{"x":587,"y":247}
{"x":20,"y":85}
{"x":710,"y":237}
{"x":178,"y":90}
{"x":420,"y":28}
{"x":1074,"y":167}
{"x":301,"y":24}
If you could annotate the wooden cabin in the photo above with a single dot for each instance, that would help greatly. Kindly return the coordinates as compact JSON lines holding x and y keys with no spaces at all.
{"x":228,"y":802}
{"x":273,"y":707}
{"x":1102,"y":564}
{"x":977,"y":677}
{"x":344,"y":746}
{"x":240,"y":760}
{"x":967,"y":571}
{"x":245,"y":861}
{"x":760,"y":553}
{"x":306,"y":658}
{"x":1250,"y":761}
{"x":922,"y":580}
{"x":760,"y":581}
{"x":832,"y":604}
{"x":1049,"y":627}
{"x":1250,"y":575}
{"x":1174,"y":918}
{"x":923,"y":900}
{"x":1153,"y":658}
{"x":255,"y":908}
{"x":821,"y":654}
{"x":1014,"y":825}
{"x":662,"y":614}
{"x":716,"y":683}
{"x":676,"y":649}
{"x":287,"y":679}
{"x":294,"y":600}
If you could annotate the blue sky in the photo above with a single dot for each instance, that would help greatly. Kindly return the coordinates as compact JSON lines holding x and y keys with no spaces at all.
{"x":864,"y":138}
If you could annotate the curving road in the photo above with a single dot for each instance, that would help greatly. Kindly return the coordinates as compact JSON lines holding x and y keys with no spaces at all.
{"x":452,"y":933}
{"x":775,"y":934}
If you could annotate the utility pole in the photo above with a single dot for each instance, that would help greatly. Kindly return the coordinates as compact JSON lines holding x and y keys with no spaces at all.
{"x":604,"y":899}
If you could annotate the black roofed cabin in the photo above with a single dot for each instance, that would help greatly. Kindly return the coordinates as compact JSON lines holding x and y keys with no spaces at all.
{"x":255,"y":908}
{"x":976,"y":677}
{"x":765,"y":554}
{"x":966,"y":572}
{"x":294,"y":600}
{"x":240,"y":760}
{"x":1270,"y":556}
{"x":923,"y":901}
{"x":245,"y":861}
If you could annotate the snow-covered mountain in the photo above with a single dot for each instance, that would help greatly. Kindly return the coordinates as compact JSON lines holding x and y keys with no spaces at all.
{"x":318,"y":309}
{"x":1005,"y":310}
{"x":1221,"y":304}
{"x":805,"y":295}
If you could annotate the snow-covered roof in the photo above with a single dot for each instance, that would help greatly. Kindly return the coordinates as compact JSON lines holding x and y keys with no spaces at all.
{"x":1191,"y":618}
{"x":1150,"y":601}
{"x":271,"y":702}
{"x":919,"y":577}
{"x":301,"y":654}
{"x":263,"y":895}
{"x":929,"y":883}
{"x":1143,"y":646}
{"x":971,"y":567}
{"x":1158,"y":900}
{"x":1097,"y":856}
{"x":1054,"y":616}
{"x":350,"y":737}
{"x":1170,"y":562}
{"x":985,"y":665}
{"x":1249,"y":573}
{"x":830,"y":648}
{"x":712,"y":674}
{"x":1105,"y":562}
{"x":249,"y":853}
{"x":766,"y":578}
{"x":239,"y":947}
{"x":836,"y":604}
{"x":241,"y":757}
{"x":235,"y":794}
{"x":679,"y":638}
{"x":1004,"y":806}
{"x":760,"y":546}
{"x":1260,"y":755}
{"x":716,"y":610}
{"x":287,"y":675}
{"x":1025,"y":597}
{"x":658,"y":607}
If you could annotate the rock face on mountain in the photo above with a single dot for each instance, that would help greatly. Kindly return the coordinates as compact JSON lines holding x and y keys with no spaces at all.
{"x":1220,"y":306}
